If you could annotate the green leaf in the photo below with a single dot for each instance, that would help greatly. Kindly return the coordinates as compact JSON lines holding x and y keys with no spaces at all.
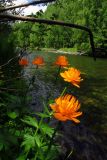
{"x":1,"y":82}
{"x":30,"y":121}
{"x":12,"y":115}
{"x":51,"y":101}
{"x":47,"y":129}
{"x":38,"y":140}
{"x":17,"y":133}
{"x":28,"y":143}
{"x":2,"y":104}
{"x":21,"y":157}
{"x":43,"y":115}
{"x":1,"y":146}
{"x":53,"y":153}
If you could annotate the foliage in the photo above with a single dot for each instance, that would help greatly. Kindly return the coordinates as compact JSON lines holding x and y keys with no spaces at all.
{"x":7,"y":49}
{"x":87,"y":13}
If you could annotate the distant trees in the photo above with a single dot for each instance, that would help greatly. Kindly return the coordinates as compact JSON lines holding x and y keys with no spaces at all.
{"x":83,"y":12}
{"x":87,"y":13}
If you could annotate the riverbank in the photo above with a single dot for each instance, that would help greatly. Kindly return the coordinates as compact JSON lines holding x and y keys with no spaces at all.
{"x":68,"y":51}
{"x":73,"y":51}
{"x":63,"y":51}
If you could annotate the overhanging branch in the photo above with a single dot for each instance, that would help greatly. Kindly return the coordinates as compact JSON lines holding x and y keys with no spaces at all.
{"x":52,"y":22}
{"x":26,"y":5}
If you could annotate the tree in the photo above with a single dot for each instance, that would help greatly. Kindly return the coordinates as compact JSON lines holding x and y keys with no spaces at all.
{"x":51,"y":22}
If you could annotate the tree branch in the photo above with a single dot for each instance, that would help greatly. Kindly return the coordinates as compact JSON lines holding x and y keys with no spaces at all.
{"x":25,"y":5}
{"x":53,"y":22}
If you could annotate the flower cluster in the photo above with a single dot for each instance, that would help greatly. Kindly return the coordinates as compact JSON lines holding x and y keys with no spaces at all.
{"x":37,"y":61}
{"x":65,"y":107}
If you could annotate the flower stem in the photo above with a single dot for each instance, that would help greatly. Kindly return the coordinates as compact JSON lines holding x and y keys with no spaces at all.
{"x":57,"y":74}
{"x":63,"y":91}
{"x":52,"y":138}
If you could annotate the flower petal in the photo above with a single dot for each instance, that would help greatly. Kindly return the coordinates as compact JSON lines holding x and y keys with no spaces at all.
{"x":60,"y":117}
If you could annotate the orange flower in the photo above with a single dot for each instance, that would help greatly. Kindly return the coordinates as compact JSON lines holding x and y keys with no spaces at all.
{"x":38,"y":61}
{"x":23,"y":62}
{"x":65,"y":108}
{"x":61,"y":61}
{"x":72,"y":75}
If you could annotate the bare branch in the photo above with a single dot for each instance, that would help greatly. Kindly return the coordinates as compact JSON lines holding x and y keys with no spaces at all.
{"x":10,"y":89}
{"x":25,"y":5}
{"x":53,"y":22}
{"x":9,"y":61}
{"x":45,"y":21}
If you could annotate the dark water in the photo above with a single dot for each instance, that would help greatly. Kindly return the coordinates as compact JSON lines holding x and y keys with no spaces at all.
{"x":87,"y":140}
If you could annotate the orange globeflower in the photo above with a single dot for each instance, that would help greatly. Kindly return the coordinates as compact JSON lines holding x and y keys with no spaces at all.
{"x":38,"y":61}
{"x":61,"y":61}
{"x":23,"y":62}
{"x":66,"y":108}
{"x":72,"y":75}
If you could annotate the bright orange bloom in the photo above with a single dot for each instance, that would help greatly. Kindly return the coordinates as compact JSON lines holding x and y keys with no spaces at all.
{"x":66,"y":108}
{"x":38,"y":61}
{"x":61,"y":61}
{"x":72,"y":75}
{"x":23,"y":62}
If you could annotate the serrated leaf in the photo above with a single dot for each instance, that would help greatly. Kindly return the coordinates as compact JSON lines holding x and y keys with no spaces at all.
{"x":28,"y":143}
{"x":38,"y":140}
{"x":47,"y":129}
{"x":30,"y":121}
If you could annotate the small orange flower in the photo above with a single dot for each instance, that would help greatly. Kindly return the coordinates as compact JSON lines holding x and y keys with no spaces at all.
{"x":72,"y":75}
{"x":38,"y":61}
{"x":61,"y":61}
{"x":23,"y":62}
{"x":66,"y":108}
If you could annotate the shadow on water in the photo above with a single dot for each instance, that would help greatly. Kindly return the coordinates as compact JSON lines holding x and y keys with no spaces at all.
{"x":87,"y":140}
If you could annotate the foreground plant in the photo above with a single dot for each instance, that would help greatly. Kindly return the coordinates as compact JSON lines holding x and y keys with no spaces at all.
{"x":66,"y":107}
{"x":34,"y":132}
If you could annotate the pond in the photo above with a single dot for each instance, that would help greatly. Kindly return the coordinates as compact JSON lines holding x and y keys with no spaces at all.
{"x":89,"y":137}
